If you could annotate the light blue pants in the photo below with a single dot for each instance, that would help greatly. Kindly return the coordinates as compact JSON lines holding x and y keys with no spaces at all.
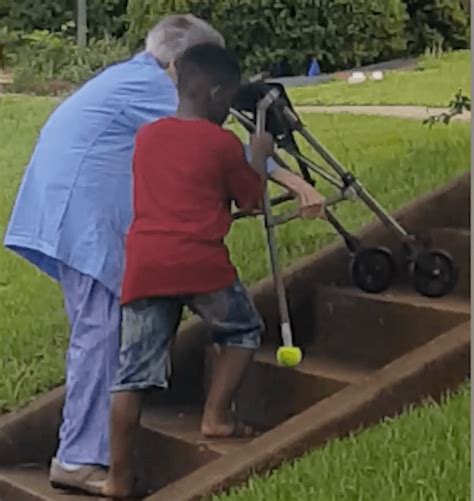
{"x":92,"y":359}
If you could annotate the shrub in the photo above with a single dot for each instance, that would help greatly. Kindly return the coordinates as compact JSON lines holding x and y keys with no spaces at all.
{"x":8,"y":42}
{"x":105,"y":16}
{"x":50,"y":63}
{"x":340,"y":33}
{"x":437,"y":24}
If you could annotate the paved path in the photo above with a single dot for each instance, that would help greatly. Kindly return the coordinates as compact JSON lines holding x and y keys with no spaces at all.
{"x":410,"y":112}
{"x":303,"y":81}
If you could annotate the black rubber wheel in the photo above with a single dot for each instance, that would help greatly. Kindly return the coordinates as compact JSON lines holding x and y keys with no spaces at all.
{"x":433,"y":273}
{"x":373,"y":270}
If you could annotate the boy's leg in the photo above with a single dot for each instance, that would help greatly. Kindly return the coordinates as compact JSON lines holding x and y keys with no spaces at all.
{"x":231,"y":364}
{"x":237,"y":328}
{"x":124,"y":420}
{"x":148,"y":327}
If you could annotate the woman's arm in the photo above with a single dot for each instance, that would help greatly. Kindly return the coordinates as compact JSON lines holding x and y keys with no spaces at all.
{"x":311,"y":203}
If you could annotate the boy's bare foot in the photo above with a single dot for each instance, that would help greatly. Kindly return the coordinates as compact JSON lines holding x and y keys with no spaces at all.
{"x":231,"y":429}
{"x":218,"y":420}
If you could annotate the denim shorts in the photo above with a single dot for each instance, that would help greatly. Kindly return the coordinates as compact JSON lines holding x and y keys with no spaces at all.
{"x":149,"y":326}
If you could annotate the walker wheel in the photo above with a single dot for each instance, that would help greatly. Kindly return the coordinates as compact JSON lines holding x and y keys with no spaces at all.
{"x":433,"y":273}
{"x":373,"y":270}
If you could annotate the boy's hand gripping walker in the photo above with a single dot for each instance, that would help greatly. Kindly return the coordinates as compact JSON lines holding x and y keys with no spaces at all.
{"x":264,"y":106}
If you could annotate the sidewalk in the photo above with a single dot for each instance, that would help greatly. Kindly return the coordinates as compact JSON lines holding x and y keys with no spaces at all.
{"x":409,"y":112}
{"x":303,"y":81}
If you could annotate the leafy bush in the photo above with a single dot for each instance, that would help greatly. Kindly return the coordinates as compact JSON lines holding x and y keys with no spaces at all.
{"x":437,"y":24}
{"x":340,"y":33}
{"x":105,"y":16}
{"x":51,"y":63}
{"x":8,"y":42}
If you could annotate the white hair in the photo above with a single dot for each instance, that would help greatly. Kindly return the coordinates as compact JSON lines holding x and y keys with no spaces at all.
{"x":173,"y":35}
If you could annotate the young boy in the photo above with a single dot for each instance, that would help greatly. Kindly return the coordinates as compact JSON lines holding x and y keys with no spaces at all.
{"x":187,"y":170}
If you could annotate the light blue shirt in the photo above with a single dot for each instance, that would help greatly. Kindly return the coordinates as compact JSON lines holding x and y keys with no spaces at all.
{"x":74,"y":203}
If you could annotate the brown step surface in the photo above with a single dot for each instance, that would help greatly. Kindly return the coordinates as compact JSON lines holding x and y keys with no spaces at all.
{"x":421,"y":372}
{"x":428,"y":371}
{"x":373,"y":330}
{"x":320,"y":365}
{"x":31,"y":483}
{"x":182,"y":422}
{"x":335,"y":308}
{"x":29,"y":435}
{"x":160,"y":459}
{"x":343,"y":383}
{"x":408,"y":297}
{"x":448,"y":206}
{"x":270,"y":394}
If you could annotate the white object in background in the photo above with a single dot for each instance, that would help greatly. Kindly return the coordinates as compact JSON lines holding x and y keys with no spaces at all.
{"x":356,"y":78}
{"x":377,"y":76}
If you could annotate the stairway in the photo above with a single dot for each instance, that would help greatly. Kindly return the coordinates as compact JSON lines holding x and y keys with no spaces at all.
{"x":355,"y":346}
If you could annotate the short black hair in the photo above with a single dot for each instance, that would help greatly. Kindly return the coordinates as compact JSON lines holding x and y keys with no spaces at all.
{"x":210,"y":61}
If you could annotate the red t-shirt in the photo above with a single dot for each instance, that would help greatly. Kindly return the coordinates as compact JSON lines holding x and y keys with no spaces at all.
{"x":186,"y":174}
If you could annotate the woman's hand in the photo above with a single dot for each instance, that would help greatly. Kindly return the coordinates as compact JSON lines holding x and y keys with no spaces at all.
{"x":311,"y":203}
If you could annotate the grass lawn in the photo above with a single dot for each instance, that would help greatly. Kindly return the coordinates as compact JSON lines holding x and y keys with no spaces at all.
{"x":32,"y":327}
{"x":422,"y":456}
{"x":396,"y":159}
{"x":434,"y":83}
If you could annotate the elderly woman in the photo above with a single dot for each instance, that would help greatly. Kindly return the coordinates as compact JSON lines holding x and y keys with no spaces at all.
{"x":71,"y":216}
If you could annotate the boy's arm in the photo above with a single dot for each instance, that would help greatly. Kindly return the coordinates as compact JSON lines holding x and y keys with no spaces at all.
{"x":261,"y":149}
{"x":244,"y":179}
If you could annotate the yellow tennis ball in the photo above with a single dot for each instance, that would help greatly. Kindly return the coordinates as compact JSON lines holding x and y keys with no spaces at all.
{"x":289,"y":356}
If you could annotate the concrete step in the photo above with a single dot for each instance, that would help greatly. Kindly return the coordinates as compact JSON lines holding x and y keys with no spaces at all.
{"x":327,"y":306}
{"x":182,"y":423}
{"x":425,"y":373}
{"x":365,"y":357}
{"x":31,"y":483}
{"x":156,"y":452}
{"x":320,"y":366}
{"x":270,"y":394}
{"x":354,"y":334}
{"x":260,"y":401}
{"x":404,"y":295}
{"x":162,"y":458}
{"x":372,"y":330}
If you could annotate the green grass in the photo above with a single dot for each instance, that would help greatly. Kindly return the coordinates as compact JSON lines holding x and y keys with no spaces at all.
{"x":32,"y":327}
{"x":423,"y":455}
{"x":434,"y":83}
{"x":396,"y":159}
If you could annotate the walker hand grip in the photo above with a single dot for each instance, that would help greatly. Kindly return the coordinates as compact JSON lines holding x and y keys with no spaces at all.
{"x":285,"y":218}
